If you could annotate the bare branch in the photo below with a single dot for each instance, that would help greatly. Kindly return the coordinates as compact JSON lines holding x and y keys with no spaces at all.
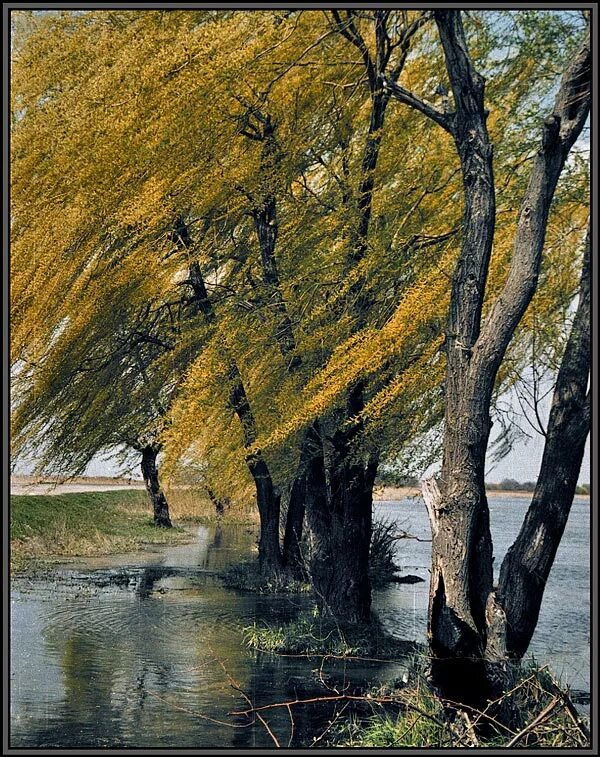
{"x":445,"y":120}
{"x":348,"y":30}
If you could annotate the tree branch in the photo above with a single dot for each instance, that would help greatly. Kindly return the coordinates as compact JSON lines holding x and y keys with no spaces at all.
{"x":348,"y":30}
{"x":445,"y":120}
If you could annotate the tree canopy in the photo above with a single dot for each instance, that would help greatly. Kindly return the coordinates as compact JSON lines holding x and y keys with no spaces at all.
{"x":130,"y":128}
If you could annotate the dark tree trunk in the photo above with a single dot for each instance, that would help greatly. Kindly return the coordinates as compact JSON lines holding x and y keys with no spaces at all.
{"x":308,"y":496}
{"x":292,"y":538}
{"x":267,"y":497}
{"x":160,"y":508}
{"x":268,"y":501}
{"x":461,"y":574}
{"x":340,"y":526}
{"x":340,"y":519}
{"x":465,"y":615}
{"x":526,"y":567}
{"x":220,"y":503}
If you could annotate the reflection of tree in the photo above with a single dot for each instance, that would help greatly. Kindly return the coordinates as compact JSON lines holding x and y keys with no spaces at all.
{"x":277,"y":679}
{"x":86,"y":716}
{"x":88,"y":683}
{"x":229,"y":543}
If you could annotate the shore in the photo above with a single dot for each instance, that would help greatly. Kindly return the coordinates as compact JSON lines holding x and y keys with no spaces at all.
{"x":20,"y":484}
{"x":393,"y":493}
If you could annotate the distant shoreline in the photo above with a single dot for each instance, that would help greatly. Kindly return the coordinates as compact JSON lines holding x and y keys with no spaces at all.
{"x":22,"y":484}
{"x":393,"y":493}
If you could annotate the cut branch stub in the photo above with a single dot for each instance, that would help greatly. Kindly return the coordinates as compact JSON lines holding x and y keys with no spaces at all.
{"x":433,"y":501}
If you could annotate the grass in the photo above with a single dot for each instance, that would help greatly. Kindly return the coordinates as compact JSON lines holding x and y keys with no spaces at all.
{"x":314,"y":634}
{"x":542,"y":717}
{"x":381,"y":555}
{"x":44,"y":527}
{"x":190,"y":504}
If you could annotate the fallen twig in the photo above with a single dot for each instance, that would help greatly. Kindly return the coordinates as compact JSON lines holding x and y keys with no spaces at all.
{"x":535,"y":722}
{"x":235,"y":685}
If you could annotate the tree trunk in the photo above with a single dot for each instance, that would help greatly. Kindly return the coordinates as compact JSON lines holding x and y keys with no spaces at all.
{"x":340,"y":526}
{"x":468,"y":627}
{"x":268,"y":501}
{"x":308,"y":496}
{"x":267,"y":497}
{"x":220,"y":503}
{"x":461,"y":546}
{"x":160,"y":507}
{"x":527,"y":564}
{"x":292,"y":539}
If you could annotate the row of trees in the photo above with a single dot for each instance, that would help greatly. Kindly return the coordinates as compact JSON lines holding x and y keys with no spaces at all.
{"x":236,"y":239}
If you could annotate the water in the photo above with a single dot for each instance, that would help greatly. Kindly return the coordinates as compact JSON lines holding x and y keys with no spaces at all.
{"x":156,"y":658}
{"x":562,"y":636}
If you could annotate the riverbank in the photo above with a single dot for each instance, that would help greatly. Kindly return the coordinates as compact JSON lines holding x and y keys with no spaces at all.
{"x":49,"y":527}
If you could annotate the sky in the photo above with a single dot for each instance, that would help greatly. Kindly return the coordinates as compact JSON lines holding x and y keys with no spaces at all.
{"x":523,"y":463}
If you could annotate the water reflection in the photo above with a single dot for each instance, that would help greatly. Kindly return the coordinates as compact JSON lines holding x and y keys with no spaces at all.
{"x":152,"y":663}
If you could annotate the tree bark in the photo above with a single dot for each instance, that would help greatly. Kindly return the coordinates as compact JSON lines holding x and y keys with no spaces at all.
{"x":264,"y":213}
{"x":294,"y":523}
{"x":527,"y":564}
{"x":160,"y":508}
{"x":308,"y":498}
{"x":340,"y":526}
{"x":461,"y":575}
{"x":464,"y":613}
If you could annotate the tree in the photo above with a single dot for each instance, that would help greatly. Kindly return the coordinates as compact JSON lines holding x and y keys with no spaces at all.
{"x":101,"y":386}
{"x":309,"y":349}
{"x":470,"y":624}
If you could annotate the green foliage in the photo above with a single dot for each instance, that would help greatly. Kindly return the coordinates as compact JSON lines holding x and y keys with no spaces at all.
{"x":314,"y":634}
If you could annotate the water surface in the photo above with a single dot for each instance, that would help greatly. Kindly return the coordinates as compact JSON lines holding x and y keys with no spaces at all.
{"x":154,"y":657}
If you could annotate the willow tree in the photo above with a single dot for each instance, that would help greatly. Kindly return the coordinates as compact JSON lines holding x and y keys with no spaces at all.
{"x":313,"y":257}
{"x":104,"y":382}
{"x":472,"y":625}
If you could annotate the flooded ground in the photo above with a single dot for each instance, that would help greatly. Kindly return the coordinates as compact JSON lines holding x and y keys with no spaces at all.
{"x":147,"y":650}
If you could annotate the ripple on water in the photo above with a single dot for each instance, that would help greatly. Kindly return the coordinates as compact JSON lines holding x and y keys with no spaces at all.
{"x":137,"y":665}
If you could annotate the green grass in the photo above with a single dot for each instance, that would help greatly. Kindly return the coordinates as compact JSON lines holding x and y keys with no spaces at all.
{"x":314,"y":634}
{"x":419,"y":719}
{"x":44,"y":527}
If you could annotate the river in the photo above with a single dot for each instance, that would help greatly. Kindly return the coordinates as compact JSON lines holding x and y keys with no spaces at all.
{"x":142,"y":650}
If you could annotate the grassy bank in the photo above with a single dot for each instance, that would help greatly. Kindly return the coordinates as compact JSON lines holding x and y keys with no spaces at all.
{"x":44,"y":527}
